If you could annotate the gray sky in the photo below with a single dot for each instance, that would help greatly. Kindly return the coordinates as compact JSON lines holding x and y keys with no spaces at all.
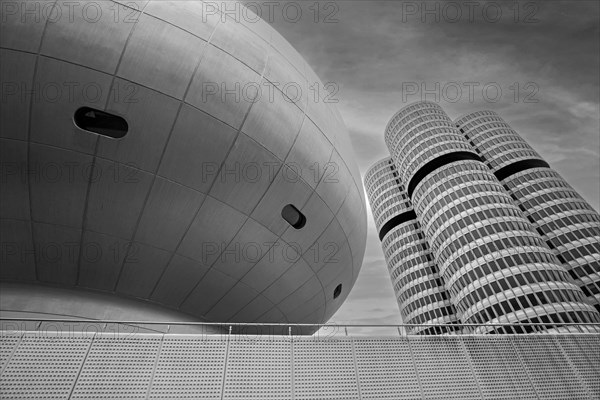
{"x":381,"y":53}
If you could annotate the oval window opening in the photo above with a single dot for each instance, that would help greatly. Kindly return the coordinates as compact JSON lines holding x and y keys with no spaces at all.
{"x":293,"y":216}
{"x":337,"y":291}
{"x":100,"y":122}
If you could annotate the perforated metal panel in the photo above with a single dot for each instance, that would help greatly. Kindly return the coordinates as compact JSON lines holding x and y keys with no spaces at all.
{"x":102,"y":366}
{"x":550,"y":373}
{"x":118,"y":367}
{"x":586,"y":363}
{"x":8,"y":344}
{"x":497,"y":368}
{"x":324,"y":369}
{"x":258,"y":369}
{"x":385,"y":369}
{"x":44,"y":366}
{"x":189,"y":367}
{"x":443,"y":368}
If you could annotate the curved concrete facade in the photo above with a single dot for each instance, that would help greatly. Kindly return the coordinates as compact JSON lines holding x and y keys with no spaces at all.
{"x":184,"y":211}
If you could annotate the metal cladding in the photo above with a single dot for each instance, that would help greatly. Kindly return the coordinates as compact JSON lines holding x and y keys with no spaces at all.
{"x":568,"y":224}
{"x":81,"y":366}
{"x":151,"y":153}
{"x":490,"y":253}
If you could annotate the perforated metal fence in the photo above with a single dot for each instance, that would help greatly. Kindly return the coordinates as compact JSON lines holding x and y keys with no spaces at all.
{"x":50,"y":364}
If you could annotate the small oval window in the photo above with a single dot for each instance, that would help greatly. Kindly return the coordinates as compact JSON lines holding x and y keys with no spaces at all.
{"x":100,"y":122}
{"x":293,"y":216}
{"x":337,"y":291}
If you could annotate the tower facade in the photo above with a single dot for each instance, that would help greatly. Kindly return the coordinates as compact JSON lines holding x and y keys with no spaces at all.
{"x":419,"y":289}
{"x":566,"y":222}
{"x":491,"y":259}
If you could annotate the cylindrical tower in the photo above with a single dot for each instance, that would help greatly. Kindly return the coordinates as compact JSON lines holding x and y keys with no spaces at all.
{"x":568,"y":224}
{"x":495,"y":265}
{"x":419,"y":289}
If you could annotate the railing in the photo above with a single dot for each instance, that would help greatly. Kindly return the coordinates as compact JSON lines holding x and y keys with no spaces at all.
{"x":328,"y":330}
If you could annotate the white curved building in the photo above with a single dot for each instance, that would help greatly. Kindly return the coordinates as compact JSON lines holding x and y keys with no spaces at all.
{"x":173,"y":156}
{"x":492,"y":260}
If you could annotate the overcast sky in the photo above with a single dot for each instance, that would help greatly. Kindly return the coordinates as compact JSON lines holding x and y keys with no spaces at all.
{"x":381,"y":53}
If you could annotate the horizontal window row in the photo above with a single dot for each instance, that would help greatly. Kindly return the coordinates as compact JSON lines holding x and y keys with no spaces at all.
{"x":440,"y":215}
{"x":374,"y":181}
{"x":581,"y":251}
{"x":409,"y":236}
{"x":389,"y":213}
{"x":506,"y":283}
{"x":484,"y":138}
{"x":553,"y":320}
{"x":538,"y":175}
{"x":390,"y":190}
{"x":488,"y":120}
{"x":550,"y":210}
{"x":407,"y":216}
{"x":466,"y":193}
{"x":428,"y":125}
{"x":510,"y":158}
{"x":453,"y":175}
{"x":525,"y":301}
{"x":422,"y":259}
{"x":406,"y":292}
{"x":475,"y":114}
{"x":425,"y":301}
{"x":591,"y":289}
{"x":402,"y":256}
{"x":411,"y":240}
{"x":389,"y":242}
{"x":429,"y":269}
{"x":404,"y":274}
{"x":425,"y":140}
{"x":432,"y":314}
{"x":544,"y":190}
{"x":566,"y":221}
{"x":488,"y":222}
{"x":499,"y":244}
{"x":388,"y":200}
{"x":415,"y":111}
{"x":477,"y":127}
{"x":585,"y":269}
{"x":492,"y":206}
{"x":475,"y":273}
{"x":511,"y":147}
{"x":406,"y":252}
{"x":418,"y":158}
{"x":404,"y":140}
{"x":381,"y":183}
